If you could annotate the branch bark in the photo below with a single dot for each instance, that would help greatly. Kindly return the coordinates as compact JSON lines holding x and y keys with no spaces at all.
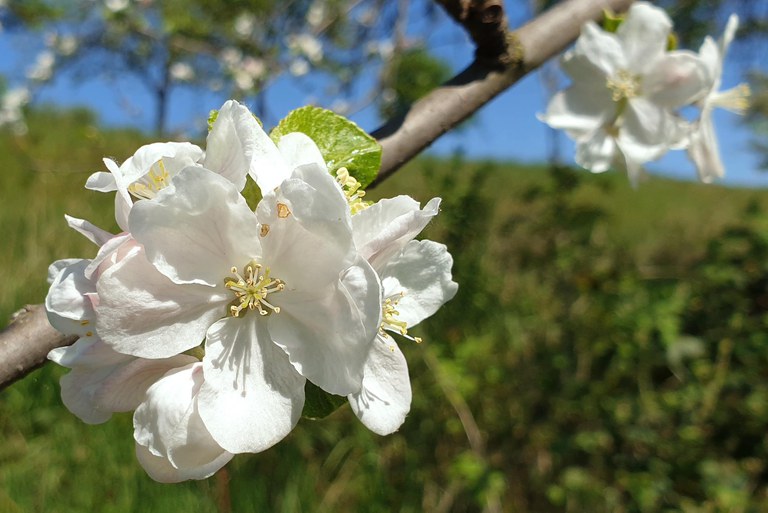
{"x":25,"y":343}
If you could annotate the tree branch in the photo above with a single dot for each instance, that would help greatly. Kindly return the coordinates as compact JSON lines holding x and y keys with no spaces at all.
{"x":25,"y":343}
{"x":529,"y":47}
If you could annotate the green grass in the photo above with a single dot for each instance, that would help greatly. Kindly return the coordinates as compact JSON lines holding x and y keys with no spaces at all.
{"x":555,"y":346}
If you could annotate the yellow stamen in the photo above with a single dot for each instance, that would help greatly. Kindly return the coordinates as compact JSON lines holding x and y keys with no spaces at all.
{"x":153,"y":182}
{"x":623,"y":86}
{"x":264,"y":230}
{"x":252,"y":290}
{"x":351,"y":188}
{"x":390,"y":322}
{"x":735,"y":100}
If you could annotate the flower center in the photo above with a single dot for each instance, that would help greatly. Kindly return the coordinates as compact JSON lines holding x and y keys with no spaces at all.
{"x":390,"y":322}
{"x":624,"y":86}
{"x":252,"y":290}
{"x":351,"y":188}
{"x":150,"y":184}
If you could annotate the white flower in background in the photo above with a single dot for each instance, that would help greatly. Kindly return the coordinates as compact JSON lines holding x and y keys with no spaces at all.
{"x":416,"y":282}
{"x":298,"y":67}
{"x":703,"y":148}
{"x":42,"y":69}
{"x":182,"y":71}
{"x":11,"y":105}
{"x":116,"y":5}
{"x":280,"y":296}
{"x":624,"y":91}
{"x":306,"y":45}
{"x":316,"y":14}
{"x":245,"y":23}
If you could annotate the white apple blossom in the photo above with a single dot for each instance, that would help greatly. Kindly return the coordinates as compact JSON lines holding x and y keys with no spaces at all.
{"x":625,"y":87}
{"x":416,"y":281}
{"x":280,"y":296}
{"x":236,"y":146}
{"x":703,"y":148}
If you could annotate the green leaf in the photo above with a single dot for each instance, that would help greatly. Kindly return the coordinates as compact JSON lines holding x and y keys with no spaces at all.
{"x":611,"y":21}
{"x":341,"y":142}
{"x":318,"y":403}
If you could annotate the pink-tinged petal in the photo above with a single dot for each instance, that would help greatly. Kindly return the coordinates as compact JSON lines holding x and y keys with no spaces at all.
{"x":676,"y":79}
{"x":298,"y":149}
{"x":66,"y":296}
{"x":596,"y":152}
{"x":385,"y":398}
{"x":232,"y":141}
{"x":142,"y":313}
{"x":643,"y":35}
{"x":125,"y":388}
{"x":385,"y":227}
{"x":328,"y":336}
{"x":197,"y":228}
{"x":422,"y":273}
{"x":102,"y":182}
{"x":109,"y":253}
{"x":704,"y":149}
{"x":252,"y":397}
{"x":603,"y":49}
{"x":91,"y":232}
{"x":161,"y":470}
{"x":168,"y":423}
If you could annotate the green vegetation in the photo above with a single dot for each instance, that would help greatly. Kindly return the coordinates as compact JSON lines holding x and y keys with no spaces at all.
{"x":607,"y":352}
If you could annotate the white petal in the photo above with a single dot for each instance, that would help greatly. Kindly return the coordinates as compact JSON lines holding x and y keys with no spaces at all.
{"x":603,"y":49}
{"x":56,"y":267}
{"x":649,"y":131}
{"x":704,"y":149}
{"x":676,"y":79}
{"x":197,"y":228}
{"x":126,"y":387}
{"x":385,"y":227}
{"x":232,"y":141}
{"x":91,"y":232}
{"x":328,"y":337}
{"x":596,"y":152}
{"x":385,"y":398}
{"x":66,"y":296}
{"x":309,"y":241}
{"x":643,"y":35}
{"x":87,"y":353}
{"x":161,"y":470}
{"x":175,"y":156}
{"x":102,"y":182}
{"x":168,"y":422}
{"x":109,"y":253}
{"x":78,"y":390}
{"x":252,"y":396}
{"x":422,"y":272}
{"x":298,"y":149}
{"x":143,"y":313}
{"x":580,"y":108}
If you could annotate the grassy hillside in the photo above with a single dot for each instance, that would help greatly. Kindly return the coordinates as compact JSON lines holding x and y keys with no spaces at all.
{"x":606,"y":352}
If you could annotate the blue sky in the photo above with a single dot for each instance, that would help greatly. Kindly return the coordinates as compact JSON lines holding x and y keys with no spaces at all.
{"x":505,"y":129}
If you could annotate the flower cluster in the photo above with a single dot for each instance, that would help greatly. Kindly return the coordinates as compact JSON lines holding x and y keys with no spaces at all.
{"x":208,"y":319}
{"x":622,"y":108}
